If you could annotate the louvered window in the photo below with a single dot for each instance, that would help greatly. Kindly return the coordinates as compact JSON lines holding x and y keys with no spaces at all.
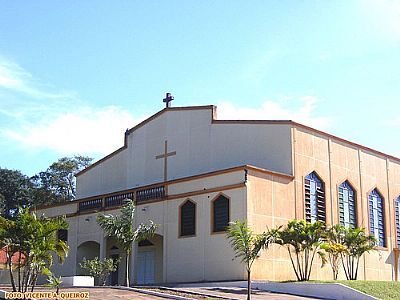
{"x":220,"y":214}
{"x":188,"y":219}
{"x":314,"y":198}
{"x":376,"y":219}
{"x":397,"y":203}
{"x":347,"y":205}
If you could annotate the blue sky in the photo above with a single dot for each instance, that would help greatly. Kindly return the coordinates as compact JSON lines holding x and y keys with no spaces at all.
{"x":75,"y":74}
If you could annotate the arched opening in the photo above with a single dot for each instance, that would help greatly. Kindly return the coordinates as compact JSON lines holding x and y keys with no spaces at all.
{"x":376,"y":217}
{"x":220,"y":212}
{"x":115,"y":252}
{"x":88,"y":250}
{"x":347,"y":205}
{"x":397,"y":218}
{"x":187,"y":219}
{"x":149,"y":261}
{"x":314,"y":189}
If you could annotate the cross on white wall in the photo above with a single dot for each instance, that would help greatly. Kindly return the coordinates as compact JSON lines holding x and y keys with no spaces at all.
{"x":165,"y":155}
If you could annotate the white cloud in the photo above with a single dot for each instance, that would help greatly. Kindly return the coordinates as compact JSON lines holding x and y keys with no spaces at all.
{"x":13,"y":77}
{"x":39,"y":117}
{"x":89,"y":130}
{"x":46,"y":120}
{"x":301,"y":110}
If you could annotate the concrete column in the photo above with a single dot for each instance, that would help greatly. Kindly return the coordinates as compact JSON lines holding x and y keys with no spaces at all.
{"x":165,"y":241}
{"x":103,"y":247}
{"x":133,"y":263}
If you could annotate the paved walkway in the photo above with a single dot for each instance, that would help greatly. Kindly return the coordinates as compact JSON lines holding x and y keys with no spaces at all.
{"x":227,"y":292}
{"x":103,"y":293}
{"x":241,"y":293}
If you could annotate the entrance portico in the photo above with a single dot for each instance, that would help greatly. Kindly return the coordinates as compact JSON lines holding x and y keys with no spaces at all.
{"x":149,"y":261}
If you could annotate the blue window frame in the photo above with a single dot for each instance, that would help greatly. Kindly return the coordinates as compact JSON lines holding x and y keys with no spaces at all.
{"x":314,"y":198}
{"x":376,"y":218}
{"x":347,"y":205}
{"x":397,"y":209}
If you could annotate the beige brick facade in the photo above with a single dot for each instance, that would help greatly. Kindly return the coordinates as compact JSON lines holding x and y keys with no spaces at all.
{"x":267,"y":195}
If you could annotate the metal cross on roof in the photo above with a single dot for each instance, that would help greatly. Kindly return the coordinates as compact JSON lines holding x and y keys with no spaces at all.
{"x":167,"y":100}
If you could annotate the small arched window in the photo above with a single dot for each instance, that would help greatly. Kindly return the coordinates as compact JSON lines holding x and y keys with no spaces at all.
{"x":220,"y":209}
{"x":376,"y":218}
{"x":347,"y":205}
{"x":188,"y":219}
{"x":314,"y":198}
{"x":397,"y":209}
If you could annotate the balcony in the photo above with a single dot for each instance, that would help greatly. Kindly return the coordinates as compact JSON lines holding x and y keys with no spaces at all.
{"x":140,"y":195}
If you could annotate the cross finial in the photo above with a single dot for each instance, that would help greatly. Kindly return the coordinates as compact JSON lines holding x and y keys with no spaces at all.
{"x":167,"y":100}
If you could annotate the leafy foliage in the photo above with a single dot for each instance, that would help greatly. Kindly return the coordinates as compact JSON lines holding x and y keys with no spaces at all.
{"x":14,"y":191}
{"x":356,"y":242}
{"x":247,"y":246}
{"x":100,"y":269}
{"x":303,"y":241}
{"x":121,"y":228}
{"x":334,"y":247}
{"x":34,"y":241}
{"x":53,"y":281}
{"x":57,"y":183}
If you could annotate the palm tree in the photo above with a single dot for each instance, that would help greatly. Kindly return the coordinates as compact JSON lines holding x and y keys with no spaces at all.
{"x":357,"y":243}
{"x":7,"y":244}
{"x":121,"y":228}
{"x":334,"y":247}
{"x":34,"y":241}
{"x":303,"y":241}
{"x":44,"y":245}
{"x":247,"y":246}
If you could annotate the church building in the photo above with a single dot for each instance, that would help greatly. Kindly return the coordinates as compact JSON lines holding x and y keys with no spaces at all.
{"x":192,"y":174}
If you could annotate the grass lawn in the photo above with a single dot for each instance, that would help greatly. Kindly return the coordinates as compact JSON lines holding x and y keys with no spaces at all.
{"x":385,"y":290}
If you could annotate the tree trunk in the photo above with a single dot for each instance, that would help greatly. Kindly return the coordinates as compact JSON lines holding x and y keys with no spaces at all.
{"x":248,"y":285}
{"x":11,"y":273}
{"x":34,"y":283}
{"x":293,"y":265}
{"x":127,"y":268}
{"x":19,"y":273}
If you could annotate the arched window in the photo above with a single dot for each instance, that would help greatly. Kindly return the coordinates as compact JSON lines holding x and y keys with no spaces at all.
{"x":347,"y":205}
{"x":397,"y":209}
{"x":188,"y":219}
{"x":376,"y":221}
{"x":314,"y":198}
{"x":220,"y":209}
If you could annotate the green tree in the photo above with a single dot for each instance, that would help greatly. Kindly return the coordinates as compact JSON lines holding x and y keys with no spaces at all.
{"x":53,"y":281}
{"x":14,"y":191}
{"x":100,"y":269}
{"x":121,"y":228}
{"x":357,"y":242}
{"x":57,"y":183}
{"x":303,"y":241}
{"x":247,"y":246}
{"x":334,"y":247}
{"x":34,"y":241}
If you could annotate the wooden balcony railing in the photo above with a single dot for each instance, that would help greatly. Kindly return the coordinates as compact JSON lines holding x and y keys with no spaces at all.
{"x":140,"y":195}
{"x":149,"y":194}
{"x":118,"y":200}
{"x":90,"y":204}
